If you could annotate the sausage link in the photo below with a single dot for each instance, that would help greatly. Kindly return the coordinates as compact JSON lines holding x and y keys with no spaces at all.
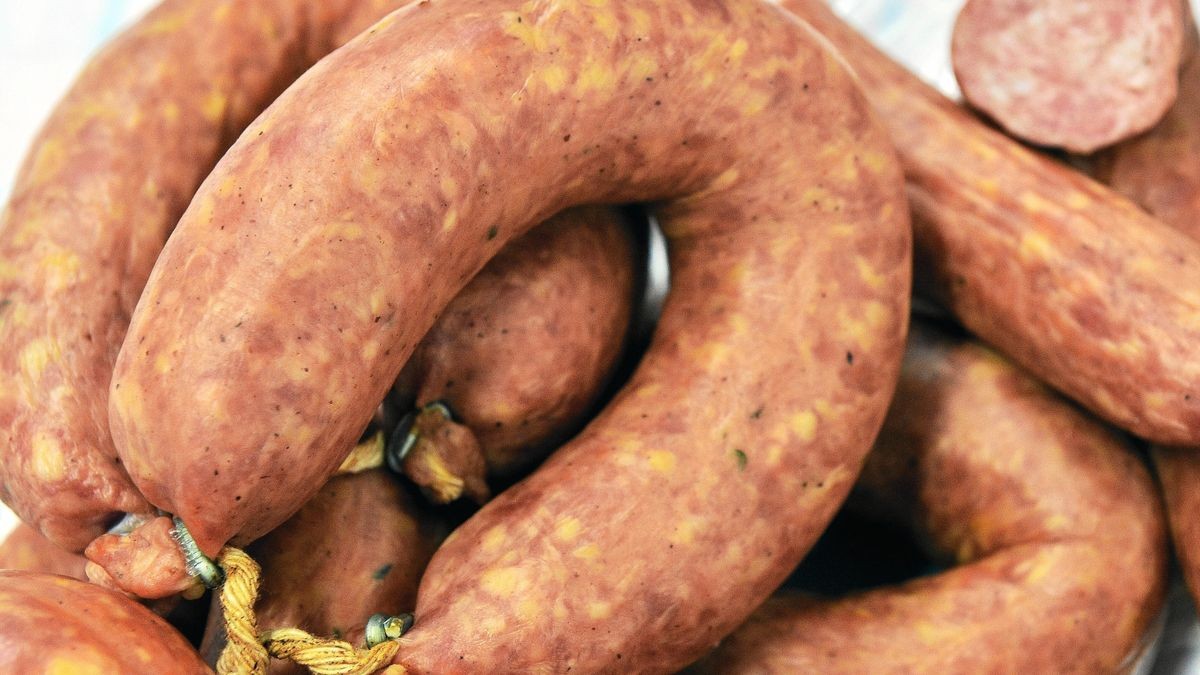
{"x":105,"y":181}
{"x":1179,"y":475}
{"x":1068,"y":279}
{"x":522,"y":352}
{"x":1160,"y":169}
{"x":675,"y":512}
{"x":58,"y":625}
{"x":565,"y":289}
{"x":26,"y":549}
{"x":357,"y":549}
{"x":1074,"y":74}
{"x":1053,"y":525}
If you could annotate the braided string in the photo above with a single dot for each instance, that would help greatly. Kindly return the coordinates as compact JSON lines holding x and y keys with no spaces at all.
{"x":248,"y":652}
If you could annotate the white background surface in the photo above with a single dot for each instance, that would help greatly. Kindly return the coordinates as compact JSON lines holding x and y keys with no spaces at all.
{"x":43,"y":44}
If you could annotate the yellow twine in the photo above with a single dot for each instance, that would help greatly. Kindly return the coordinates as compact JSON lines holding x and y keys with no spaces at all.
{"x":328,"y":657}
{"x":243,"y":653}
{"x":248,"y":652}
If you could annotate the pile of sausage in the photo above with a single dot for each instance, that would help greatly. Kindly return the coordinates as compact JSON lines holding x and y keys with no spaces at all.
{"x":258,"y":237}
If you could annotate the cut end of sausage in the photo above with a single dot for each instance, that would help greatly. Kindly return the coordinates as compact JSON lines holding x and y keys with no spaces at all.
{"x":1079,"y":74}
{"x":146,"y":562}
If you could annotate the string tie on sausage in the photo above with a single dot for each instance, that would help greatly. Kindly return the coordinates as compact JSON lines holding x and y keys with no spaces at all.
{"x":390,"y":451}
{"x":249,"y":652}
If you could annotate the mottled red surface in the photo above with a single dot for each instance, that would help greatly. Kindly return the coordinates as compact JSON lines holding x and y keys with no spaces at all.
{"x":357,"y":549}
{"x":1054,"y":527}
{"x":1179,"y":475}
{"x":1160,"y":169}
{"x":1070,"y":280}
{"x":522,"y":352}
{"x":1075,"y":74}
{"x":678,"y":510}
{"x":52,"y":624}
{"x":25,"y":549}
{"x":103,"y":185}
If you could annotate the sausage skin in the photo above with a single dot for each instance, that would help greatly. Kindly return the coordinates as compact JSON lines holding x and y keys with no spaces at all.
{"x":101,"y":188}
{"x":357,"y":549}
{"x":1074,"y":74}
{"x":673,"y":514}
{"x":1178,"y":472}
{"x":1070,"y":280}
{"x":522,"y":352}
{"x":1053,"y":525}
{"x":1160,"y":169}
{"x":52,"y":624}
{"x":26,"y":549}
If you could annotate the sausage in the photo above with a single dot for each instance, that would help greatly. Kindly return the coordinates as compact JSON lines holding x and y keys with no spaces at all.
{"x":104,"y":183}
{"x":1178,"y":472}
{"x":1074,"y":74}
{"x":1160,"y":169}
{"x":1068,"y":279}
{"x":357,"y":549}
{"x":686,"y":501}
{"x":521,"y":354}
{"x":58,"y":625}
{"x":26,"y":549}
{"x":523,"y":351}
{"x":1053,"y":527}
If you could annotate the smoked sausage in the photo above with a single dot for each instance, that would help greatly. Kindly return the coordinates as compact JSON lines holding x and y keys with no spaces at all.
{"x":118,"y":161}
{"x":1179,"y":475}
{"x":103,"y":185}
{"x":1160,"y":169}
{"x":580,"y":334}
{"x":357,"y":549}
{"x":522,"y":352}
{"x":1074,"y":74}
{"x":673,"y":514}
{"x":1070,"y":280}
{"x":26,"y":549}
{"x":1053,"y":526}
{"x":52,"y":624}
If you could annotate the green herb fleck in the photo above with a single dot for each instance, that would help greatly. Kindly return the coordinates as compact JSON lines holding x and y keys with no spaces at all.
{"x":5,"y":303}
{"x":382,"y":572}
{"x":492,"y":232}
{"x":741,"y":459}
{"x":757,"y":413}
{"x":337,"y":633}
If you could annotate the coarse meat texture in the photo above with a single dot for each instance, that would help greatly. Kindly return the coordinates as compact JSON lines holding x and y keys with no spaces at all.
{"x":1160,"y":169}
{"x":521,"y":354}
{"x":104,"y":183}
{"x":686,"y":502}
{"x":1062,"y":275}
{"x":1074,"y":74}
{"x":1053,"y":525}
{"x":26,"y":549}
{"x":53,"y":624}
